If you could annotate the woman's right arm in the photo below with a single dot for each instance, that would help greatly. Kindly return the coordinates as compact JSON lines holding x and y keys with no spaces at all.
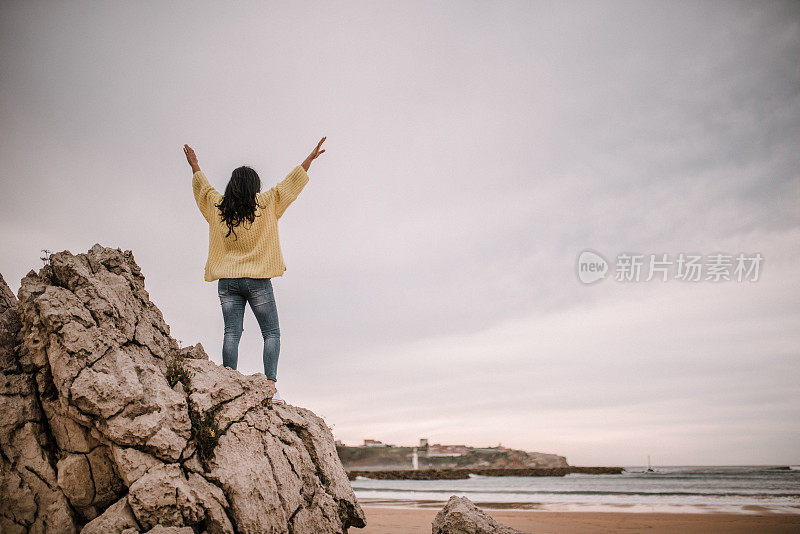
{"x":288,"y":189}
{"x":314,"y":155}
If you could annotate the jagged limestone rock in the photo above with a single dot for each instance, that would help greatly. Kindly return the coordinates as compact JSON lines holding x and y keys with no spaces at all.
{"x":30,"y":498}
{"x":461,"y":516}
{"x":100,"y":433}
{"x":116,"y":518}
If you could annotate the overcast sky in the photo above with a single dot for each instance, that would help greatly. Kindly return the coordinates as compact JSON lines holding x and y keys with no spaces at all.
{"x":474,"y":150}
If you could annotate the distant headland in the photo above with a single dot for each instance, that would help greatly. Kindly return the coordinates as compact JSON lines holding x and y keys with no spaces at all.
{"x":375,"y":459}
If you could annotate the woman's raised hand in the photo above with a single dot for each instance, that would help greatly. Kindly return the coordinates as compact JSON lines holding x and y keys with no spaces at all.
{"x":191,"y":158}
{"x":314,"y":154}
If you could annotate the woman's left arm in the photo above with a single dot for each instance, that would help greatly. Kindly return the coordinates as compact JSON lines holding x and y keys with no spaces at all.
{"x":204,"y":194}
{"x":191,"y":158}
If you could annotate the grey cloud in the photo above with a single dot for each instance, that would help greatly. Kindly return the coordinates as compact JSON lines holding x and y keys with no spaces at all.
{"x":473,"y":151}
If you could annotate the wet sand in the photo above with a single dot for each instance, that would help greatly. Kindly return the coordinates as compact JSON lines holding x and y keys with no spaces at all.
{"x":382,"y":520}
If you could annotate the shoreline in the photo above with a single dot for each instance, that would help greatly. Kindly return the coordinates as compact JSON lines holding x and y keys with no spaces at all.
{"x":405,"y":520}
{"x":749,"y":509}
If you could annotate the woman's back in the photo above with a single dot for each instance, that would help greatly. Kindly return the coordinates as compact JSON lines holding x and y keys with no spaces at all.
{"x":247,"y":249}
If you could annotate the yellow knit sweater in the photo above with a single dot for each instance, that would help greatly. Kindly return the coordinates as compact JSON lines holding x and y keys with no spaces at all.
{"x":257,"y":251}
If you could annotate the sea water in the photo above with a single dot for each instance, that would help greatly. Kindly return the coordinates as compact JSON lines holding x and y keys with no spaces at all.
{"x":681,"y":489}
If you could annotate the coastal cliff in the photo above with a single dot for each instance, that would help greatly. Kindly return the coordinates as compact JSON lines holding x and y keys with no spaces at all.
{"x":395,"y":458}
{"x":108,"y":426}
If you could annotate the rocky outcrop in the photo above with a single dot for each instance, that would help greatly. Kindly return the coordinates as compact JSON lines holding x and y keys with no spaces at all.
{"x":30,"y":499}
{"x":461,"y":516}
{"x":108,"y":426}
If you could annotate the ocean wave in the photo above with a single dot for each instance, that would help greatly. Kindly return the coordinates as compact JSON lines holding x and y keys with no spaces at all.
{"x":714,"y":486}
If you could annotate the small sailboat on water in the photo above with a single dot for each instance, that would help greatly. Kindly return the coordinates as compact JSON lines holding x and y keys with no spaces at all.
{"x":649,"y":467}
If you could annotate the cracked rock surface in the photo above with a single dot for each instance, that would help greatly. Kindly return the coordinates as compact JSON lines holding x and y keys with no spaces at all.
{"x":95,"y":439}
{"x":461,"y":516}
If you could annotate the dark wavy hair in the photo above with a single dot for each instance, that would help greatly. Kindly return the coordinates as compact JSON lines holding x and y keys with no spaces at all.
{"x":239,"y":202}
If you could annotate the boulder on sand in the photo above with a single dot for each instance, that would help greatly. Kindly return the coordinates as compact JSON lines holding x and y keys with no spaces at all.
{"x":461,"y":516}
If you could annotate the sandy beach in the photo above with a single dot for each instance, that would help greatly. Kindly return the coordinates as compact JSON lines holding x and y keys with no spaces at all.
{"x":384,"y":520}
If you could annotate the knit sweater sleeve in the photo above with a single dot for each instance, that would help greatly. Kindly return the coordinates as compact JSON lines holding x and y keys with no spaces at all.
{"x":204,"y":194}
{"x":288,"y":189}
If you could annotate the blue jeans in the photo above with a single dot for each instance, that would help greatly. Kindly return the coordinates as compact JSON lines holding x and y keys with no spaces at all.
{"x":233,"y":294}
